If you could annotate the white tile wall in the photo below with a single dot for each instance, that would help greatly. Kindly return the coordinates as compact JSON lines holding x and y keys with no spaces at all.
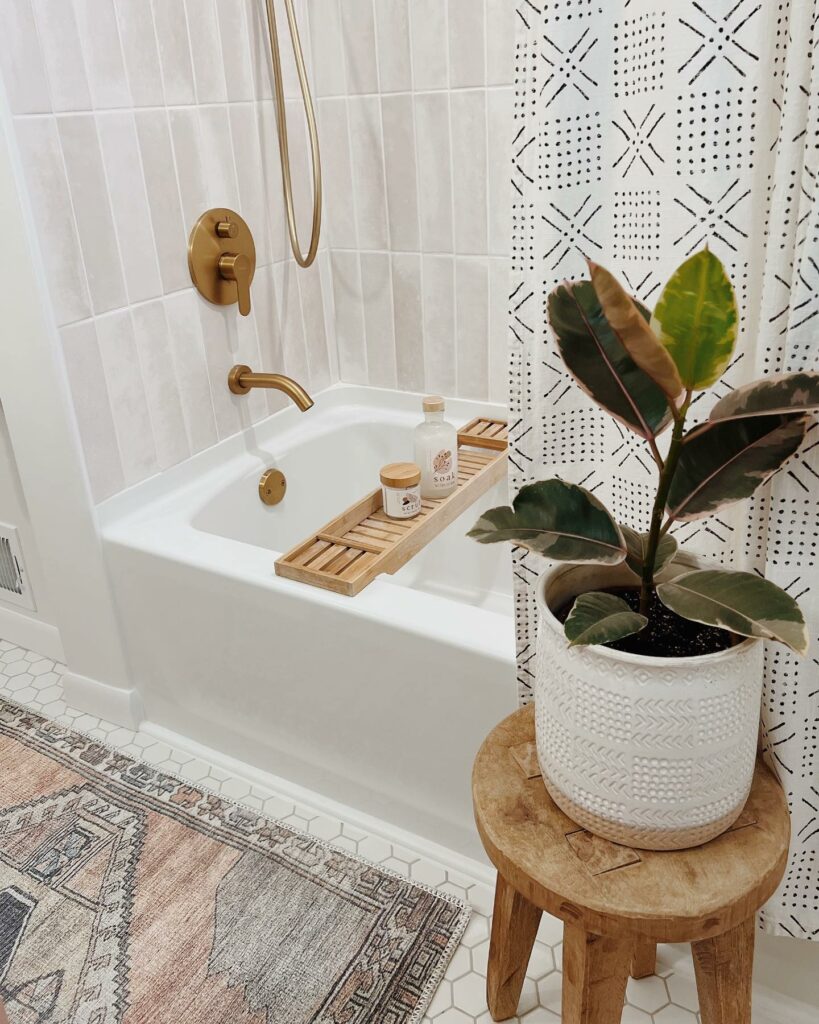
{"x":414,"y":107}
{"x":134,"y":116}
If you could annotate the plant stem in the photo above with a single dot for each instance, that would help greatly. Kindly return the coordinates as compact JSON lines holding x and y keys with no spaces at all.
{"x":663,"y":487}
{"x":655,"y":454}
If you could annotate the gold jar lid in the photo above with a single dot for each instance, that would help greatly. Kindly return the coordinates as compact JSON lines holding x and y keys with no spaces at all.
{"x":401,"y":474}
{"x":433,"y":403}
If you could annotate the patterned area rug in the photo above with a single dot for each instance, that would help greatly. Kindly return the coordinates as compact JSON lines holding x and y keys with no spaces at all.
{"x":127,"y":895}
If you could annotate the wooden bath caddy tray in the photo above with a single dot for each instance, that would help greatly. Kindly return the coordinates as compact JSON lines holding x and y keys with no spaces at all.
{"x":360,"y":544}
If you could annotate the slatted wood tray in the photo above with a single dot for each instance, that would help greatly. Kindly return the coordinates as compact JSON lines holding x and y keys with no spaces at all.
{"x":351,"y":550}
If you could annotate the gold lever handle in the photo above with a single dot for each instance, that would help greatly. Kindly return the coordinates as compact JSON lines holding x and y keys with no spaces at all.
{"x":222,"y":258}
{"x":236,"y":267}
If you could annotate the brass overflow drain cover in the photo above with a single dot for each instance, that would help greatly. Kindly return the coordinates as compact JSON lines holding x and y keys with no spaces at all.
{"x":272,"y":486}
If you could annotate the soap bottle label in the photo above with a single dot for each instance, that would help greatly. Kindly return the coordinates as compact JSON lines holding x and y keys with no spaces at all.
{"x":442,"y":467}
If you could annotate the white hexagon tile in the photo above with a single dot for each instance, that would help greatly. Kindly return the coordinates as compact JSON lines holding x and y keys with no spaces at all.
{"x":667,"y":998}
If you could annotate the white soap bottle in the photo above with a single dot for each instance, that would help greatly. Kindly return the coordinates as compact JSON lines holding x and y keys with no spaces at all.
{"x":436,"y":451}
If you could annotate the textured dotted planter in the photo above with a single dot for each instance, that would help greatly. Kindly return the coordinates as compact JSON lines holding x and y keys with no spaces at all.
{"x":654,"y":753}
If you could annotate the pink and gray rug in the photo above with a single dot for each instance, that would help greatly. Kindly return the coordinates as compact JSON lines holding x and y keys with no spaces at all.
{"x":131,"y":897}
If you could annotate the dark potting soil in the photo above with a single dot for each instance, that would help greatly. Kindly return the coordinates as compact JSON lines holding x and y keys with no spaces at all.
{"x":667,"y":634}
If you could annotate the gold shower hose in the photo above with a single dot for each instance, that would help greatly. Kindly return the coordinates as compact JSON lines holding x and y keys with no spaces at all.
{"x":281,"y":120}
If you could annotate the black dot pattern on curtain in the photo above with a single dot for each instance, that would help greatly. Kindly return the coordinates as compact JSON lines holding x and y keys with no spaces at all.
{"x":644,"y":131}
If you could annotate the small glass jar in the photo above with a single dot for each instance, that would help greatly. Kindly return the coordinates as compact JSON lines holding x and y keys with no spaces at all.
{"x":401,"y":490}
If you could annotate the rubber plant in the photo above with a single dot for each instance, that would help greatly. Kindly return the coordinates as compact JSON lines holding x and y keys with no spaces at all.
{"x":644,"y":368}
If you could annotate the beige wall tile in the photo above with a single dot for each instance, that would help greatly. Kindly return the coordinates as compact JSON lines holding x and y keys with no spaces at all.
{"x":92,"y":210}
{"x":401,"y":175}
{"x":393,"y":45}
{"x":376,"y":298}
{"x":92,"y":408}
{"x":472,"y":338}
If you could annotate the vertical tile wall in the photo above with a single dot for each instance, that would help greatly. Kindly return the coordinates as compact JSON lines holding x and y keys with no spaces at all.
{"x":134,"y":116}
{"x":414,"y":100}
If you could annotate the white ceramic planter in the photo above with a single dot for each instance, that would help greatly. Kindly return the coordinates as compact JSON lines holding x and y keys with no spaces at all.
{"x":654,"y":753}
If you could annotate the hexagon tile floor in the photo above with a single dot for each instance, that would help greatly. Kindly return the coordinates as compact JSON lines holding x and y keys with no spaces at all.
{"x":667,"y":998}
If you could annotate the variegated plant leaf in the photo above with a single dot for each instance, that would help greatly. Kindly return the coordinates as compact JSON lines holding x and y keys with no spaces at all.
{"x":780,"y":393}
{"x":723,"y":461}
{"x":637,"y":546}
{"x":696,"y":319}
{"x":556,"y":519}
{"x":598,"y":618}
{"x":739,"y":601}
{"x":632,"y":328}
{"x":599,"y":362}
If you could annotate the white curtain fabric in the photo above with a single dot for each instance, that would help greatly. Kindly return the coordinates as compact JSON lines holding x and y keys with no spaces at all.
{"x":644,"y":131}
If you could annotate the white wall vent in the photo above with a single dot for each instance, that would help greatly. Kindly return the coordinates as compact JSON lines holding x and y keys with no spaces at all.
{"x":14,"y":585}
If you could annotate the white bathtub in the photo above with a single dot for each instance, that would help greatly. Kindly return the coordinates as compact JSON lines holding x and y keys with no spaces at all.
{"x":378,"y":701}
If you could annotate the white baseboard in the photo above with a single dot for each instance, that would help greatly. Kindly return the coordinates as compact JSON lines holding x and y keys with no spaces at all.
{"x":31,"y":633}
{"x":481,"y":871}
{"x":122,"y":707}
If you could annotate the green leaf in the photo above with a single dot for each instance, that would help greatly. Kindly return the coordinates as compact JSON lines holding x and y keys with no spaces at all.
{"x":637,"y":547}
{"x":596,"y":358}
{"x":633,"y":330}
{"x":723,"y":461}
{"x":740,"y":601}
{"x":696,"y":319}
{"x":779,"y":393}
{"x":556,"y":519}
{"x":600,"y":618}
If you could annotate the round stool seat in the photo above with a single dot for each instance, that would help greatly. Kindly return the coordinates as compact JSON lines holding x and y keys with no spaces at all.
{"x":635,"y":898}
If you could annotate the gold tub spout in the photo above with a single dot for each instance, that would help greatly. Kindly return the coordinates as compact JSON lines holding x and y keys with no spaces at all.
{"x":242,"y":379}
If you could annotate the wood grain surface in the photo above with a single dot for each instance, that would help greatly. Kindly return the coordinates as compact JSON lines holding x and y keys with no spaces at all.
{"x":670,"y":896}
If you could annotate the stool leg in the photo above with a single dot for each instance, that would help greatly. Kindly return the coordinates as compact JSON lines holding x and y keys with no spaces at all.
{"x":723,"y":967}
{"x":514,"y":927}
{"x":595,"y":973}
{"x":644,"y":962}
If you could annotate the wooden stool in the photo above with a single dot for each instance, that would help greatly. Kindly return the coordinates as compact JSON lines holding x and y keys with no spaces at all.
{"x":616,"y":904}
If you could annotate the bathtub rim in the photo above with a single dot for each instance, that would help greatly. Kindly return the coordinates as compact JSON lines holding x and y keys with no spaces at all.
{"x":197,"y":473}
{"x":156,"y":517}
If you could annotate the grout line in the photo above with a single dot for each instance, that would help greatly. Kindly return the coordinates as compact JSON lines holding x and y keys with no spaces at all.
{"x":308,"y":167}
{"x":190,"y":54}
{"x":488,"y":203}
{"x":455,"y":381}
{"x":264,"y":99}
{"x":361,"y":252}
{"x":421,"y":289}
{"x":278,"y":263}
{"x":150,"y":5}
{"x":354,"y":204}
{"x":325,"y":277}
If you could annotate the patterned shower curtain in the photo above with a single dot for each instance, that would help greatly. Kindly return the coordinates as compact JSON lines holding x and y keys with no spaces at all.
{"x":644,"y":131}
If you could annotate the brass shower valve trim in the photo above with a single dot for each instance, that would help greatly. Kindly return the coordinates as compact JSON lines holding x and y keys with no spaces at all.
{"x":222,"y":258}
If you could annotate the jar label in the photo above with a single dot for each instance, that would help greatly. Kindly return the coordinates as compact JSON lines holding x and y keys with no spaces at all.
{"x":444,"y":467}
{"x":400,"y":503}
